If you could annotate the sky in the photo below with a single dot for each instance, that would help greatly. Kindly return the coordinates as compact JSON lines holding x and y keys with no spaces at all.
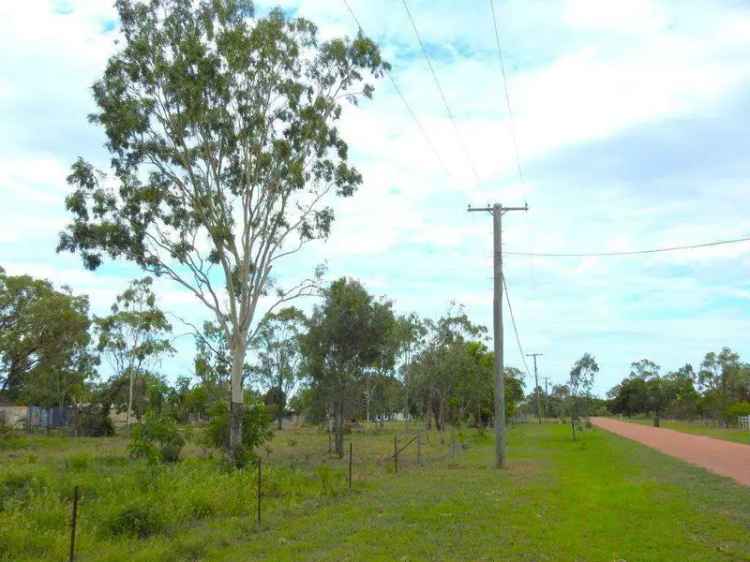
{"x":631,"y":127}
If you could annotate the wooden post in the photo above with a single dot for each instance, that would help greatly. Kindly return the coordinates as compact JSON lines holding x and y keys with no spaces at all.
{"x":350,"y":465}
{"x":73,"y":526}
{"x":395,"y":453}
{"x":260,"y":475}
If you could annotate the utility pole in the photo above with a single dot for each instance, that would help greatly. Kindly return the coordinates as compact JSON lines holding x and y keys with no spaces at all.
{"x":497,"y":211}
{"x":536,"y":386}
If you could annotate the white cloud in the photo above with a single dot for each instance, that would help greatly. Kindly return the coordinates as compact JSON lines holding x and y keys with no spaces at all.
{"x":581,"y":74}
{"x":633,"y":16}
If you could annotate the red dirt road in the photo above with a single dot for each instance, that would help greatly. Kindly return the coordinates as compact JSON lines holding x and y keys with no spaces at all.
{"x":722,"y":457}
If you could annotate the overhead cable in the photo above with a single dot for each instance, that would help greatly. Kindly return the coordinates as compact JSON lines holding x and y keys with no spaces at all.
{"x":628,"y":252}
{"x":451,"y":116}
{"x":515,"y":326}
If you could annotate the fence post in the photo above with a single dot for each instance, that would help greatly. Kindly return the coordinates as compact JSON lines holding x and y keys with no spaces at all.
{"x":350,"y":465}
{"x":419,"y":449}
{"x":73,"y":526}
{"x":395,"y":453}
{"x":260,"y":475}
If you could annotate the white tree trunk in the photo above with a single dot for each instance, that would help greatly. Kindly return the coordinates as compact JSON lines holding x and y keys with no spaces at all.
{"x":236,"y":405}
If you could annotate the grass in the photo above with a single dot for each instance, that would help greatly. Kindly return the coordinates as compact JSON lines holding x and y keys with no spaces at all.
{"x":696,"y":428}
{"x":601,"y":498}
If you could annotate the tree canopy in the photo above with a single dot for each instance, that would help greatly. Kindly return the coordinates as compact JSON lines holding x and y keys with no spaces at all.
{"x":45,"y":356}
{"x":221,"y":127}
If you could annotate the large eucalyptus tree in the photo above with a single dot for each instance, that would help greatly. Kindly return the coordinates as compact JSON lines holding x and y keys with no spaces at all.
{"x":221,"y":127}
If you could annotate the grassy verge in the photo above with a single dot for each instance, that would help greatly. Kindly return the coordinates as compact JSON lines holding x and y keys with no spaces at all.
{"x":601,"y":498}
{"x":696,"y":428}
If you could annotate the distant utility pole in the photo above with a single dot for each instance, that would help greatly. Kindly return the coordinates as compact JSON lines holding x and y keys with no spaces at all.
{"x":536,"y":386}
{"x":497,"y":211}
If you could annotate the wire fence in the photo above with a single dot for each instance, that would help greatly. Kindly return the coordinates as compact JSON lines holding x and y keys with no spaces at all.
{"x":411,"y":450}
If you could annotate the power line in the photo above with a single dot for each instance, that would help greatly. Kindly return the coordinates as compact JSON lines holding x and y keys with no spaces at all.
{"x":632,"y":252}
{"x":515,"y":327}
{"x":514,"y":138}
{"x":459,"y":137}
{"x":409,"y":109}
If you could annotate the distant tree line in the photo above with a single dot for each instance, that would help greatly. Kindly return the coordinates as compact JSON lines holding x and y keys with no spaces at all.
{"x":718,"y":390}
{"x":352,"y":359}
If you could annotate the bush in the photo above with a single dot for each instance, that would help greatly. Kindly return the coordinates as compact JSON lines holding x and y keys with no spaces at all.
{"x":77,"y":463}
{"x":156,"y":439}
{"x":19,"y":487}
{"x":94,"y":421}
{"x":738,"y":409}
{"x":135,"y":521}
{"x":331,"y":481}
{"x":256,"y":429}
{"x":9,"y":439}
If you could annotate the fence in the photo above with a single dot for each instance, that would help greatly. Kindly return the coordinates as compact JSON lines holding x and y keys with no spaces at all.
{"x":49,"y":418}
{"x":743,"y":422}
{"x":410,"y":450}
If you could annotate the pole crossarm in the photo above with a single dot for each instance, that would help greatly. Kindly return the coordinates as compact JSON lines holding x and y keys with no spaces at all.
{"x":493,"y":208}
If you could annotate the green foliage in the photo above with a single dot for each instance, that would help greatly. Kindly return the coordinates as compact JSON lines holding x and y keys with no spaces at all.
{"x":156,"y":439}
{"x":135,"y":520}
{"x":451,"y":377}
{"x":44,"y":342}
{"x":738,"y":409}
{"x":277,"y":345}
{"x":684,"y":394}
{"x":349,"y":335}
{"x":133,"y":338}
{"x":580,"y":382}
{"x":19,"y":487}
{"x":256,"y":428}
{"x":94,"y":421}
{"x":225,"y":152}
{"x":332,"y":482}
{"x":196,"y":511}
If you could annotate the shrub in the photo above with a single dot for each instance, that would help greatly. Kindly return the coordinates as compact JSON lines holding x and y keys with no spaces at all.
{"x":256,"y":429}
{"x":77,"y":463}
{"x":18,"y":487}
{"x":135,"y":521}
{"x":156,"y":439}
{"x":330,"y":480}
{"x":94,"y":421}
{"x":200,"y":507}
{"x":738,"y":409}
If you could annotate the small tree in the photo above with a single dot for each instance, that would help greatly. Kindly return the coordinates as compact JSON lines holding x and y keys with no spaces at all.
{"x":348,"y":334}
{"x":157,"y":439}
{"x":279,"y":354}
{"x":133,"y":336}
{"x":580,"y":382}
{"x":657,"y":390}
{"x":221,"y":128}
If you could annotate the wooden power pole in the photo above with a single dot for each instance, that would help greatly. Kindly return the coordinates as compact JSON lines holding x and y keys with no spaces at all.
{"x":497,"y":211}
{"x":536,"y":386}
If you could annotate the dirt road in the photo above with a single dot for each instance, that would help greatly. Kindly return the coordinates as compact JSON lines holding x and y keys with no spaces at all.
{"x":722,"y":457}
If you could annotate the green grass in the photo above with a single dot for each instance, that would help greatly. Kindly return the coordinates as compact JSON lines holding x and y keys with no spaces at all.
{"x":696,"y":428}
{"x":601,"y":498}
